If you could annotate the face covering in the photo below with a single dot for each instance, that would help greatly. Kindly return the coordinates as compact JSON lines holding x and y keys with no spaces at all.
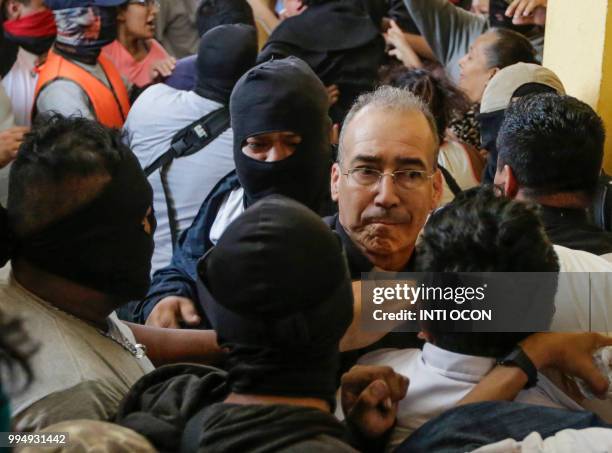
{"x":103,"y":245}
{"x":283,"y":95}
{"x":35,"y":32}
{"x":82,"y":32}
{"x":282,"y":324}
{"x":212,"y":13}
{"x":226,"y":52}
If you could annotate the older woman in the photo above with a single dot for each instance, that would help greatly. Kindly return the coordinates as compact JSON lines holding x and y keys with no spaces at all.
{"x":138,"y":57}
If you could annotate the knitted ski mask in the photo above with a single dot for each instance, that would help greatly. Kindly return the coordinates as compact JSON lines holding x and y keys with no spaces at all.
{"x":286,"y":304}
{"x":283,"y":95}
{"x":225,"y":53}
{"x":104,"y":244}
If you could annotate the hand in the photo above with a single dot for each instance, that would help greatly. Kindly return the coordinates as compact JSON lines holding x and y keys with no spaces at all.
{"x":163,"y":68}
{"x":10,"y":141}
{"x":171,"y":311}
{"x":402,"y":50}
{"x":333,"y":93}
{"x":370,"y":396}
{"x":570,"y":353}
{"x":525,"y":12}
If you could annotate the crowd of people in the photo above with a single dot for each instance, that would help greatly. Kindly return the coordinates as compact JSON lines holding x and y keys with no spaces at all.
{"x":196,"y":192}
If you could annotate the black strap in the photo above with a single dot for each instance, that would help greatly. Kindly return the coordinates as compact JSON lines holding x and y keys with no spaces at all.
{"x":193,"y":138}
{"x":450,"y":181}
{"x":186,"y":142}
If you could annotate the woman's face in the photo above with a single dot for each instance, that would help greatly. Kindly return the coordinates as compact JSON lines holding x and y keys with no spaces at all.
{"x":138,"y":18}
{"x":475,"y":71}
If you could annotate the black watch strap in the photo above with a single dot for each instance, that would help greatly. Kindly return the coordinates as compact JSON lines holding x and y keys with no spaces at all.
{"x":519,"y":359}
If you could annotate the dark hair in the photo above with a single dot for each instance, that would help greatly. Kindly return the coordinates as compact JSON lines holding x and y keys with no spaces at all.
{"x":509,"y":48}
{"x":442,"y":97}
{"x":553,"y":144}
{"x":62,"y":164}
{"x":15,"y":350}
{"x":481,"y":232}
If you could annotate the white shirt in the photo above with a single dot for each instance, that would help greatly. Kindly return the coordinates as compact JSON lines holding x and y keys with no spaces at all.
{"x":78,"y":371}
{"x":158,"y":114}
{"x":584,"y":296}
{"x":439,"y":379}
{"x":20,"y":85}
{"x":454,"y":158}
{"x":230,"y":209}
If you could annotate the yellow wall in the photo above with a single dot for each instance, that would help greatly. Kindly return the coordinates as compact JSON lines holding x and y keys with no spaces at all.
{"x":579,"y":50}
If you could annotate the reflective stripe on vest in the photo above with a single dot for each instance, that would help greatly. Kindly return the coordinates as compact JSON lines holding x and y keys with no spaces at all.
{"x":110,"y":105}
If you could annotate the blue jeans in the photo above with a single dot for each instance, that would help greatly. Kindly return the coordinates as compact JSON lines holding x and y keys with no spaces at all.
{"x":469,"y":427}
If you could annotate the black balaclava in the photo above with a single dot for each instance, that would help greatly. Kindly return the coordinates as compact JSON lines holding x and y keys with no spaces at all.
{"x":286,"y":303}
{"x":283,"y":95}
{"x":212,"y":13}
{"x":102,"y":245}
{"x":226,"y":52}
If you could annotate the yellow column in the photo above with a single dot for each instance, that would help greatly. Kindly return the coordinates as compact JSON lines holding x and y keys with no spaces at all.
{"x":579,"y":50}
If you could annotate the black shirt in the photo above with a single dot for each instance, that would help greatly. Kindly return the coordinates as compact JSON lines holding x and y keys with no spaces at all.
{"x":358,"y":264}
{"x":571,"y":228}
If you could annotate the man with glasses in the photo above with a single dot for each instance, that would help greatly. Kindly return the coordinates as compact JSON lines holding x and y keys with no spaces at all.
{"x":386,"y":180}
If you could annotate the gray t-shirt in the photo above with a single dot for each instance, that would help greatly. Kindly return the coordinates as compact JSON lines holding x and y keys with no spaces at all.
{"x":67,"y":97}
{"x":78,"y":371}
{"x":450,"y":31}
{"x":176,"y":27}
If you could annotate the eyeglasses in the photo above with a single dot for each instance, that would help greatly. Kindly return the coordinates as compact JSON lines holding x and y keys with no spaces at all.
{"x":147,"y":3}
{"x":404,"y":179}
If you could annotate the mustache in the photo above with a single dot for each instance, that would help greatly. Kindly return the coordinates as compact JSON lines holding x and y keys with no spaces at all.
{"x":384,"y":216}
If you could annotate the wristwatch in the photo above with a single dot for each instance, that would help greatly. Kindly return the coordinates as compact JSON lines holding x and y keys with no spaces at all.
{"x":518,"y":358}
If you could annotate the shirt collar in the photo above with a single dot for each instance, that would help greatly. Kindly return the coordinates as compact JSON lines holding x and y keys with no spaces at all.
{"x":456,"y":366}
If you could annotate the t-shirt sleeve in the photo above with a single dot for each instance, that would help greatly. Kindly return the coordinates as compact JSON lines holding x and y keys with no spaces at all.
{"x":66,"y":98}
{"x":448,"y":29}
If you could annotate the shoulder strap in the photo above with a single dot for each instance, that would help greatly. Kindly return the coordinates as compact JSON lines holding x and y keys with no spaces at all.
{"x":193,"y":138}
{"x":450,"y":181}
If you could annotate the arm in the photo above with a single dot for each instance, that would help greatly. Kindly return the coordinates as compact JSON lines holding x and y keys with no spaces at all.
{"x":264,"y":14}
{"x":175,"y":345}
{"x":179,"y":278}
{"x":448,"y":30}
{"x":568,"y":352}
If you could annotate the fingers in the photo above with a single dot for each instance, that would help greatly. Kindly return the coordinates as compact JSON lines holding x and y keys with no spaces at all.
{"x":360,"y":377}
{"x":376,"y":394}
{"x":589,"y":373}
{"x":167,"y":313}
{"x":188,"y":312}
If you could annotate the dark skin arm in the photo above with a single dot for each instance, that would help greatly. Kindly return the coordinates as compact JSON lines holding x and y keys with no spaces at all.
{"x":166,"y":346}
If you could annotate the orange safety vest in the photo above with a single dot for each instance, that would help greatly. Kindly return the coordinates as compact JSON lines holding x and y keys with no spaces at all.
{"x":110,"y":105}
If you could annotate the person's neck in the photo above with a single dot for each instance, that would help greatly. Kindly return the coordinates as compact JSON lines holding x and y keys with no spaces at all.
{"x":395,"y":262}
{"x":244,"y":399}
{"x":556,"y":200}
{"x":90,"y":306}
{"x":136,"y":47}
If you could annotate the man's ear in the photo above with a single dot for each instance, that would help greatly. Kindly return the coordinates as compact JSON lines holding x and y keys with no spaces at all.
{"x":438,"y":189}
{"x":492,"y":73}
{"x":13,"y":9}
{"x":507,"y":180}
{"x":336,"y":174}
